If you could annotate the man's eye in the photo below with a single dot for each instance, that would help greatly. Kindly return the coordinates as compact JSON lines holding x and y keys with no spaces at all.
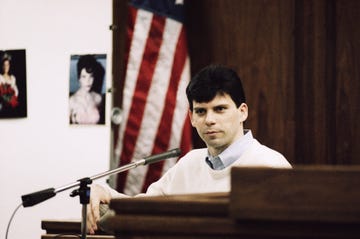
{"x":199,"y":111}
{"x":220,"y":109}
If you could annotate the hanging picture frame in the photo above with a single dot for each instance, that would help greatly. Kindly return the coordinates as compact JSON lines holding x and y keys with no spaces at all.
{"x":87,"y":89}
{"x":13,"y":92}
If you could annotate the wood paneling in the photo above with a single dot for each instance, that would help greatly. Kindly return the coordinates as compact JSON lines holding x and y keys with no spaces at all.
{"x":314,"y":82}
{"x":297,"y":194}
{"x":347,"y":90}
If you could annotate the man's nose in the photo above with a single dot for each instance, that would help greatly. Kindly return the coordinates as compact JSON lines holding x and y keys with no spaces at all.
{"x":210,"y":118}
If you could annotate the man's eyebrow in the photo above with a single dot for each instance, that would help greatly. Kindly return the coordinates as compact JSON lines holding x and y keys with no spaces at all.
{"x":221,"y":105}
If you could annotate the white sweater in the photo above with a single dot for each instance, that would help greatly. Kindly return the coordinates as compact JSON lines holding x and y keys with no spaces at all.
{"x":193,"y":175}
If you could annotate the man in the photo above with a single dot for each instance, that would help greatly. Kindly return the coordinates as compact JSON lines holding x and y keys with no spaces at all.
{"x":218,"y":111}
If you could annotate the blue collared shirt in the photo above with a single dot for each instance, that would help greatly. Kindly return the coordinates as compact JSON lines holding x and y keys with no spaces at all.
{"x":231,"y":153}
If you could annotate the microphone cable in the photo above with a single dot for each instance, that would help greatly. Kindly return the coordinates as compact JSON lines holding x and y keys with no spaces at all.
{"x":11,"y":218}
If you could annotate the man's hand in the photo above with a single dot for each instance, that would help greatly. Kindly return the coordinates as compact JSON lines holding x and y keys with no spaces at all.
{"x":98,"y":194}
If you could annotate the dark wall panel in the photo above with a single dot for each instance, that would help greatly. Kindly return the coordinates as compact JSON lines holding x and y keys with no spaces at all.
{"x":347,"y":94}
{"x":314,"y":49}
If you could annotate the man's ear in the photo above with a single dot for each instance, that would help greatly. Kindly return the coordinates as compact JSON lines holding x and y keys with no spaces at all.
{"x":243,"y":108}
{"x":191,"y":117}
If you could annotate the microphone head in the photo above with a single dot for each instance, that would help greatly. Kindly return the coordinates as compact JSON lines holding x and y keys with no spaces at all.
{"x":158,"y":157}
{"x":175,"y":152}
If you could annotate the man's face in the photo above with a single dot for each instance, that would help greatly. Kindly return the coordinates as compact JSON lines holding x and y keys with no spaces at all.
{"x":218,"y":122}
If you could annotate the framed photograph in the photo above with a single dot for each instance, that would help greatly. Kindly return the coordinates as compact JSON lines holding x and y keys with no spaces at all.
{"x":13,"y":99}
{"x":87,"y":89}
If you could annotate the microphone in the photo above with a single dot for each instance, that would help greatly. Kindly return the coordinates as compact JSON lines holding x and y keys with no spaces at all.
{"x":34,"y":198}
{"x":40,"y":196}
{"x":158,"y":157}
{"x":84,"y":190}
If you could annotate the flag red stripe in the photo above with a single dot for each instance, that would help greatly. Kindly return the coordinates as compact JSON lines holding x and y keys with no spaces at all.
{"x":163,"y":135}
{"x":186,"y":137}
{"x":132,"y":15}
{"x":143,"y":84}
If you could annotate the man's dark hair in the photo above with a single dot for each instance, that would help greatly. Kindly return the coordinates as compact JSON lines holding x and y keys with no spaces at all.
{"x":213,"y":80}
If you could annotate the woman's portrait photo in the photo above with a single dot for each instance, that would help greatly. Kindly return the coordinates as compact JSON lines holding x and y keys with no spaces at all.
{"x":87,"y":89}
{"x":13,"y":102}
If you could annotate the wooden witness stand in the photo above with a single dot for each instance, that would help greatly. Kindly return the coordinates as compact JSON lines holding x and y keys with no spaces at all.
{"x":304,"y":202}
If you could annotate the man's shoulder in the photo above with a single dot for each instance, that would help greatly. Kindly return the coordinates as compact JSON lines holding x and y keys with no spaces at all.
{"x":266,"y":155}
{"x":196,"y":153}
{"x":200,"y":151}
{"x":258,"y":147}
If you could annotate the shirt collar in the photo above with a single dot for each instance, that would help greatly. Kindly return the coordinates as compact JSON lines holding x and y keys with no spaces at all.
{"x":234,"y":151}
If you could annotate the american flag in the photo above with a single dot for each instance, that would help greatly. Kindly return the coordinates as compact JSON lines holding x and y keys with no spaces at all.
{"x":154,"y":102}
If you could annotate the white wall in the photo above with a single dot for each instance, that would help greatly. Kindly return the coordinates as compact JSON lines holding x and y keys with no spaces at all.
{"x":42,"y":150}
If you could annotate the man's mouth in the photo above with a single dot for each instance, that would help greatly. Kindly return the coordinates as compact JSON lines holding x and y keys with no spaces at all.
{"x":211,"y":132}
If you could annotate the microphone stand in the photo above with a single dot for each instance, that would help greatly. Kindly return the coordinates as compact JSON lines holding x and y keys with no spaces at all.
{"x":84,"y":190}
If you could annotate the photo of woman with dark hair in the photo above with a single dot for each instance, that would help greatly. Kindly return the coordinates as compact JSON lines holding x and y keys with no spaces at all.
{"x":86,"y":104}
{"x":13,"y":84}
